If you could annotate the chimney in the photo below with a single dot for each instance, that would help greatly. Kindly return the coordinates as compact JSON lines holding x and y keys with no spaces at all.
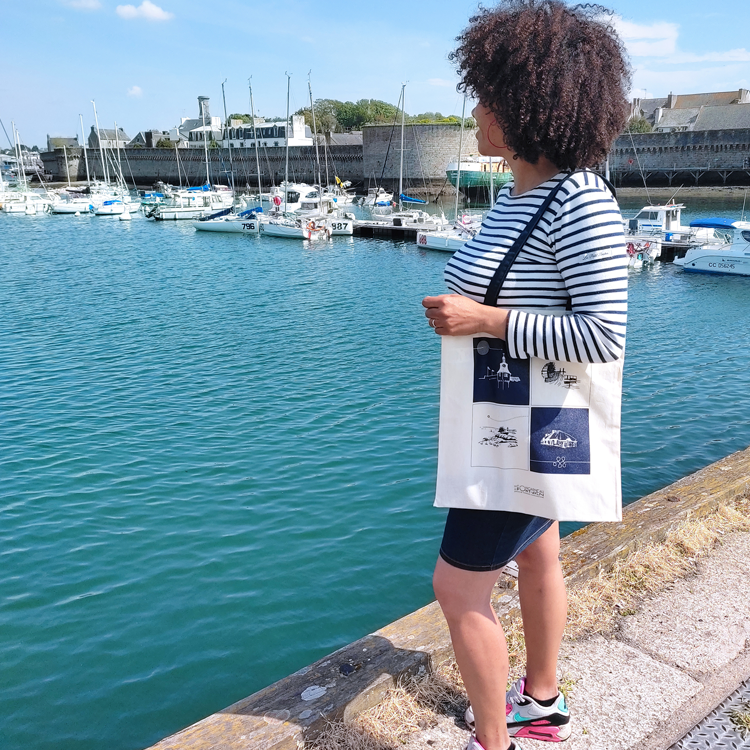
{"x":671,"y":100}
{"x":203,"y":108}
{"x":744,"y":97}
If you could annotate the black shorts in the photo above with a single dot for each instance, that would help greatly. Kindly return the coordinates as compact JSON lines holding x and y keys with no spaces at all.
{"x":488,"y":539}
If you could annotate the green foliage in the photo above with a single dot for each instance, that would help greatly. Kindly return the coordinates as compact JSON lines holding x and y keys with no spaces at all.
{"x":164,"y":143}
{"x":245,"y":118}
{"x":638,"y":125}
{"x":336,"y":116}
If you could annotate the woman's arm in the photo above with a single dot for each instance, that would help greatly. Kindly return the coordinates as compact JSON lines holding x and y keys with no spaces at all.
{"x":588,"y":241}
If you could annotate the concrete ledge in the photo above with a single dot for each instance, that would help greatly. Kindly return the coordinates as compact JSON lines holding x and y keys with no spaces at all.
{"x":356,"y":677}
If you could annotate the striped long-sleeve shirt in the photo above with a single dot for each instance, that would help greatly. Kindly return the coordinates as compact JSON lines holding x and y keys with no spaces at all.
{"x":576,"y":253}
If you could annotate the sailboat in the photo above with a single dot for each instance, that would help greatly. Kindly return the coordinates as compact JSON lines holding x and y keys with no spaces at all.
{"x":283,"y":224}
{"x":450,"y":239}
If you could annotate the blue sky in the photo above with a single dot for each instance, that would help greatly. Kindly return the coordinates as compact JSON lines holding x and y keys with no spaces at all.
{"x":146,"y":62}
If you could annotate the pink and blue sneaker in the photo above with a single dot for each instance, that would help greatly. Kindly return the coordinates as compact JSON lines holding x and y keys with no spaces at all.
{"x":474,"y":744}
{"x":527,"y":718}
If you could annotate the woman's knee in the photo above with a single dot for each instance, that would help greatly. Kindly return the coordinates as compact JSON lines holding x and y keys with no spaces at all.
{"x":543,"y":554}
{"x":461,"y":591}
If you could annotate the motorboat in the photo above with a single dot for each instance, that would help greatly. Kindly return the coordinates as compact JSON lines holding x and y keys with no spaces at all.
{"x":642,"y":250}
{"x":377,"y":197}
{"x":665,"y":221}
{"x":475,"y":174}
{"x":728,"y":251}
{"x":320,"y":205}
{"x":296,"y":228}
{"x":414,"y":219}
{"x":24,"y":202}
{"x":451,"y":238}
{"x":116,"y":206}
{"x":190,"y":203}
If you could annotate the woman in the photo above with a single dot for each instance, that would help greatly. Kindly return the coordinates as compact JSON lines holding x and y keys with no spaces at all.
{"x":551,"y":81}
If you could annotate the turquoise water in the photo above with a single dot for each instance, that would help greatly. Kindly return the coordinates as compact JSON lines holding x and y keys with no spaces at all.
{"x":218,"y":456}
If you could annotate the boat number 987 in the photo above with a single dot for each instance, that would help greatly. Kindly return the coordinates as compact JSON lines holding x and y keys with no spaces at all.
{"x":340,"y":226}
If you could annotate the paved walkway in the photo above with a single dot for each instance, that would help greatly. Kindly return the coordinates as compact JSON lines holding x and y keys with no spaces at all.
{"x":665,"y":669}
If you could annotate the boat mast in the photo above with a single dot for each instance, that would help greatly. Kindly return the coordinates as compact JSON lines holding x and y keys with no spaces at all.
{"x":255,"y":139}
{"x":401,"y":166}
{"x":19,"y":162}
{"x":460,"y":146}
{"x":101,"y":148}
{"x":286,"y":133}
{"x":226,"y":127}
{"x":315,"y":135}
{"x":119,"y":160}
{"x":205,"y":141}
{"x":85,"y":155}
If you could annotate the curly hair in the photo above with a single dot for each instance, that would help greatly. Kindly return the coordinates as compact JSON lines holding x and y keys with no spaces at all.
{"x":555,"y":77}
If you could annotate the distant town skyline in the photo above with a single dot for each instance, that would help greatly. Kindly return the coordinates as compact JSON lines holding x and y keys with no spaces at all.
{"x":146,"y":63}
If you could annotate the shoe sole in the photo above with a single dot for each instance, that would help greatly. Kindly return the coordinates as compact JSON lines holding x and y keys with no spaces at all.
{"x":545,"y":733}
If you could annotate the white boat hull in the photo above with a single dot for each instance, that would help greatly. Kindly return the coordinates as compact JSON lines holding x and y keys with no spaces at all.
{"x":444,"y":241}
{"x":177,"y":213}
{"x":233,"y":225}
{"x":293,"y":232}
{"x":698,"y":260}
{"x":71,"y":207}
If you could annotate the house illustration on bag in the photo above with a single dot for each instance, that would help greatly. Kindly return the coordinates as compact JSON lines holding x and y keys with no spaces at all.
{"x":559,"y":439}
{"x":502,"y":375}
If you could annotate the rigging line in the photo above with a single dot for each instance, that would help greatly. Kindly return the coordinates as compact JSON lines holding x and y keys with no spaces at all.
{"x":6,"y":135}
{"x":419,"y":154}
{"x":640,"y":169}
{"x":390,"y":138}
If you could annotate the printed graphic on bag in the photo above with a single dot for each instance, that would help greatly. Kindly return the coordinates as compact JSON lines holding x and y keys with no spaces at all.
{"x":500,"y":435}
{"x":498,"y":378}
{"x":559,"y":383}
{"x":560,"y":441}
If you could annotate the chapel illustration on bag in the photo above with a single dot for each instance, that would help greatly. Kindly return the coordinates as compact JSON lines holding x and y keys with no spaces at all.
{"x":529,"y":414}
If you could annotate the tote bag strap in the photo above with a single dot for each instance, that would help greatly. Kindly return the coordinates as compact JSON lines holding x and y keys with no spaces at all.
{"x":498,"y":278}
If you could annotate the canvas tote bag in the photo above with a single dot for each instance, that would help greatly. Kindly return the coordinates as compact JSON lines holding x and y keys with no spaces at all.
{"x":532,"y":435}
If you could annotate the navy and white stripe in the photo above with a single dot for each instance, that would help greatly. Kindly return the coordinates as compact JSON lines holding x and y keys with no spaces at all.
{"x":576,"y":252}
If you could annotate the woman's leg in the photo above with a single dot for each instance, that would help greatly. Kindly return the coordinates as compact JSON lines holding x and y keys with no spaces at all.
{"x":479,"y":646}
{"x":544,"y":610}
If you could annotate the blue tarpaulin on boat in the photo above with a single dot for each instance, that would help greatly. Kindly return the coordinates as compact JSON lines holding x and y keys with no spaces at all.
{"x":201,"y":189}
{"x":251,"y":212}
{"x":217,"y":215}
{"x":407,"y":199}
{"x":713,"y":223}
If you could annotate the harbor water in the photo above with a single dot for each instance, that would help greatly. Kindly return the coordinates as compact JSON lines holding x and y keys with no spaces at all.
{"x":218,"y":455}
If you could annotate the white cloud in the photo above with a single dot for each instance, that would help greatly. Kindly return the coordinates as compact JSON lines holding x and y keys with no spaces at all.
{"x":659,"y":82}
{"x":83,"y":4}
{"x":657,"y":39}
{"x":135,"y":91}
{"x":441,"y":82}
{"x":732,"y":55}
{"x":146,"y":9}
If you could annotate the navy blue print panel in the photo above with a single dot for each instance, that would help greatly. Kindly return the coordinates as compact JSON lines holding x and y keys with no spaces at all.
{"x":560,"y":441}
{"x":498,"y":378}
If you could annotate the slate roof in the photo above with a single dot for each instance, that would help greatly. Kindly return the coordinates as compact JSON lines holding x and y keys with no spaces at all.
{"x":678,"y":118}
{"x":729,"y":117}
{"x":54,"y":142}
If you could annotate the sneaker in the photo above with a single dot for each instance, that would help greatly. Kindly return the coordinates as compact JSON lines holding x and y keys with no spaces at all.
{"x":474,"y":744}
{"x":526,"y":718}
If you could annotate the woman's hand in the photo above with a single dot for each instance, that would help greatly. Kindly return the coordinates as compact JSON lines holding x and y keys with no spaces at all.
{"x":456,"y":315}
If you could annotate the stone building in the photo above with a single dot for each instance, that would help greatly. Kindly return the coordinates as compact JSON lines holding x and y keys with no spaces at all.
{"x":678,"y":113}
{"x":110,"y":138}
{"x":54,"y":142}
{"x":428,"y":148}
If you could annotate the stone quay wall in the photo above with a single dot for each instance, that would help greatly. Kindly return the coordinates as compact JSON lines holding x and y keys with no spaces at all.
{"x":708,"y":157}
{"x":427,"y":151}
{"x":145,"y":166}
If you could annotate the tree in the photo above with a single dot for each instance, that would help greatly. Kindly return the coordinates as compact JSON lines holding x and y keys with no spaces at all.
{"x":164,"y":143}
{"x":638,"y":125}
{"x":246,"y":119}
